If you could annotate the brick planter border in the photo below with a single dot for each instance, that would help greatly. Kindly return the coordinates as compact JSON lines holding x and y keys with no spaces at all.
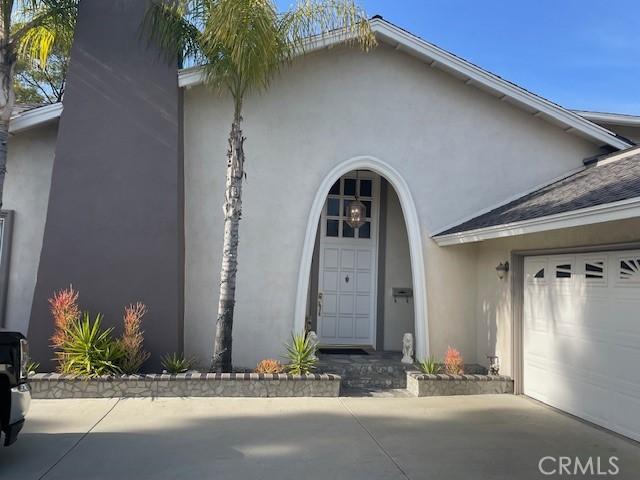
{"x":55,"y":385}
{"x":427,"y":385}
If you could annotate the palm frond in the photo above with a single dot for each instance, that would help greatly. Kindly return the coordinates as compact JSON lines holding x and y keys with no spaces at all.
{"x":243,"y":44}
{"x":42,"y":24}
{"x":176,"y":28}
{"x":311,"y":20}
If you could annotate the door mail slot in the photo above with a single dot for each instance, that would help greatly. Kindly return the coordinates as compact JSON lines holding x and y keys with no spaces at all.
{"x":400,"y":292}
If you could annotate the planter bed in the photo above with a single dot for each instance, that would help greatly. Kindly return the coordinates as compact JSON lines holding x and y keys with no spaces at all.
{"x":426,"y":385}
{"x":54,"y":385}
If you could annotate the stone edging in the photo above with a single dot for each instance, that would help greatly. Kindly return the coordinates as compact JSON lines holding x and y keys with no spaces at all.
{"x":55,"y":385}
{"x":187,"y":376}
{"x":446,"y":376}
{"x":424,"y":384}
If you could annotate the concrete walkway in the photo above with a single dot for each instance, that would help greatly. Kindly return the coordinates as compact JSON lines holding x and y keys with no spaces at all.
{"x":492,"y":437}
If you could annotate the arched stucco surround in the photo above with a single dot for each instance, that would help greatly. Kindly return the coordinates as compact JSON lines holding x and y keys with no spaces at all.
{"x":413,"y":232}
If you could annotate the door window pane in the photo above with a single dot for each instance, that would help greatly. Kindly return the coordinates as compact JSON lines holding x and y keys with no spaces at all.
{"x":346,"y":212}
{"x":367,"y":205}
{"x":347,"y":231}
{"x":335,"y":189}
{"x":365,"y":230}
{"x":349,"y":186}
{"x":333,"y":207}
{"x":365,"y":188}
{"x":332,"y":228}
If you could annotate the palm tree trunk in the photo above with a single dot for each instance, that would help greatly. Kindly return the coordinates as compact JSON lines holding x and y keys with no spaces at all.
{"x":232,"y":209}
{"x":6,"y":106}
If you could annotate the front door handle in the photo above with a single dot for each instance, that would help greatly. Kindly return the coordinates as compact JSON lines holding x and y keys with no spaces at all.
{"x":319,"y":304}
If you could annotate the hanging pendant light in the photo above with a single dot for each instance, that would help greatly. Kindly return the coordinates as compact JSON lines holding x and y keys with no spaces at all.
{"x":357,"y":211}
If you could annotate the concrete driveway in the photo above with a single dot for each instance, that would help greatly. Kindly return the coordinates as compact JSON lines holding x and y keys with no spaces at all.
{"x":476,"y":437}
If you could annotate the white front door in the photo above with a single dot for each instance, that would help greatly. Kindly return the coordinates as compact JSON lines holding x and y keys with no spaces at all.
{"x":582,"y":336}
{"x":348,"y":264}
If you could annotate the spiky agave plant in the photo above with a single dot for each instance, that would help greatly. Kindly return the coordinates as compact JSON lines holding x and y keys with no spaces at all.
{"x":301,"y":354}
{"x":430,"y":366}
{"x":176,"y":363}
{"x":88,"y":350}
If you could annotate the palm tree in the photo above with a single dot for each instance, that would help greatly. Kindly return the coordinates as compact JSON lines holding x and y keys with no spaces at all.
{"x":30,"y":29}
{"x":243,"y":44}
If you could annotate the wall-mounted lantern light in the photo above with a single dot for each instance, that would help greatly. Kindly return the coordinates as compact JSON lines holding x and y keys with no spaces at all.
{"x":356,"y":214}
{"x":502,"y":269}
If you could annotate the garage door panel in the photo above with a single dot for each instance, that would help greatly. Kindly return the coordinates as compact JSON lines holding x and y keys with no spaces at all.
{"x":590,"y":401}
{"x":570,"y":353}
{"x":623,"y":423}
{"x":581,"y":336}
{"x":627,"y":363}
{"x":536,"y":374}
{"x":595,"y":309}
{"x":628,"y":320}
{"x":535,"y":344}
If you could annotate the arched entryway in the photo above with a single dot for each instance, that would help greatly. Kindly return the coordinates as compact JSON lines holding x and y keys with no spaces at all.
{"x":395,"y":180}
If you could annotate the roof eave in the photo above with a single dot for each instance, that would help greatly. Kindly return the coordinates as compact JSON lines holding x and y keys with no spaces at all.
{"x":35,"y":117}
{"x":621,"y":210}
{"x":467,"y":72}
{"x":620,"y":119}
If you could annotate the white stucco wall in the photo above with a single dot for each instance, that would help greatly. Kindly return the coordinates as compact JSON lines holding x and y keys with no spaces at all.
{"x":493,"y":308}
{"x":26,"y":190}
{"x":459,"y":149}
{"x":398,"y":316}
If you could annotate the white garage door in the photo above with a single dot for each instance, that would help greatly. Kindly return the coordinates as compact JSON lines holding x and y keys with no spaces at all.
{"x":582,"y":336}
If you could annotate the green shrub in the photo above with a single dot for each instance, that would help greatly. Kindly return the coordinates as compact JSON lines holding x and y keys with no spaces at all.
{"x":32,"y":367}
{"x":175,"y":363}
{"x":430,"y":366}
{"x":301,"y":354}
{"x":88,"y":350}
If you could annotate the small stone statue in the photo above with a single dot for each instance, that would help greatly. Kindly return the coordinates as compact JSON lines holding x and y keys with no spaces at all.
{"x":407,"y":348}
{"x":494,"y":365}
{"x":313,"y":341}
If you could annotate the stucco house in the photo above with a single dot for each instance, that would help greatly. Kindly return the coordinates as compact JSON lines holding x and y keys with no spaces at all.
{"x":119,"y":192}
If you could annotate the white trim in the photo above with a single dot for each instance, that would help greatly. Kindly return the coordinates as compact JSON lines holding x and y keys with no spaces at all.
{"x":611,"y":118}
{"x":467,"y":72}
{"x":614,"y":157}
{"x":35,"y":117}
{"x":190,"y":77}
{"x":621,"y":210}
{"x":413,"y":231}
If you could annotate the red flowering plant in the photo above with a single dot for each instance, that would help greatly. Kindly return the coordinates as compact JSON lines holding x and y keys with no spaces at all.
{"x":453,"y":363}
{"x":132,"y":338}
{"x":65,"y":311}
